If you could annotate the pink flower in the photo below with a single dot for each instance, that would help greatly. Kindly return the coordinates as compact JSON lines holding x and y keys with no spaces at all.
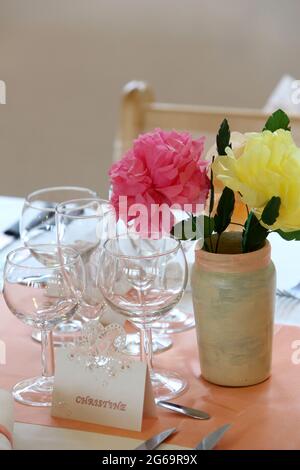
{"x":162,"y":168}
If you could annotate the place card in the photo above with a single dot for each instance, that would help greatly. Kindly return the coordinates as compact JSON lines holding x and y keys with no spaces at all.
{"x":103,"y":387}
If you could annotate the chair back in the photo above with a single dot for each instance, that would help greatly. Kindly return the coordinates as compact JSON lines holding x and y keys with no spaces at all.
{"x":141,"y":113}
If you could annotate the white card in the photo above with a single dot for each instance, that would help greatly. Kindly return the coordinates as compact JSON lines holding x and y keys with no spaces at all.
{"x":95,"y":396}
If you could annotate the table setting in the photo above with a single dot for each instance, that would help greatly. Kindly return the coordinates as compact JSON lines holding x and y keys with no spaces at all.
{"x":165,"y":316}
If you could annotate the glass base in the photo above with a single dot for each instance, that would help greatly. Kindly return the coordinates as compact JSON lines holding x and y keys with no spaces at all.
{"x":176,"y":321}
{"x":160,"y":343}
{"x":63,"y":334}
{"x":34,"y":392}
{"x":167,"y":385}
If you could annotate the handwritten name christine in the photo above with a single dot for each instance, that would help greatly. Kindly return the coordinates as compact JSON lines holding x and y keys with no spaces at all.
{"x":112,"y":405}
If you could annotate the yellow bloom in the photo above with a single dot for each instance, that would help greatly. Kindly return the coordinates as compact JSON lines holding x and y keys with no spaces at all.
{"x":267,"y":164}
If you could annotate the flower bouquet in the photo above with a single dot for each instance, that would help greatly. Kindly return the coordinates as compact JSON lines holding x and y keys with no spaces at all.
{"x":233,"y":277}
{"x":262,"y":170}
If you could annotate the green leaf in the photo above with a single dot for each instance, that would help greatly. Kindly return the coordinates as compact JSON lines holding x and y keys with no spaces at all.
{"x":180,"y":230}
{"x":278,"y":120}
{"x":289,"y":236}
{"x":223,"y":138}
{"x":254,"y":234}
{"x":193,"y":228}
{"x":212,"y":190}
{"x":271,"y":211}
{"x":208,"y":226}
{"x":224,"y":210}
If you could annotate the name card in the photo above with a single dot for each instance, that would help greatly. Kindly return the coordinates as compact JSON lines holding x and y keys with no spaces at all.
{"x":116,"y":391}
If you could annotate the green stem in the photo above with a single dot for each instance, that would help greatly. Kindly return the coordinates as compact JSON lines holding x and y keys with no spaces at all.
{"x":211,"y":203}
{"x":206,"y":246}
{"x":218,"y":241}
{"x":210,"y":239}
{"x":247,"y":208}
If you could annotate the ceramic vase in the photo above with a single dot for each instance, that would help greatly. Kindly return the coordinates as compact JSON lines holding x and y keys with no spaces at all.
{"x":234,"y":302}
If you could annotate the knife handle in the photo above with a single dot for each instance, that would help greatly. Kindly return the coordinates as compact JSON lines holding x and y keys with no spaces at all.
{"x":13,"y":231}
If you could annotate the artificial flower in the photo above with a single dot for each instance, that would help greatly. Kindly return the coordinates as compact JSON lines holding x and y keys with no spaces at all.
{"x":162,"y":168}
{"x":266,"y":165}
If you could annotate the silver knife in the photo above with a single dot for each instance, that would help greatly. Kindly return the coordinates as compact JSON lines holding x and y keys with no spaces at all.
{"x":209,"y":442}
{"x":156,"y":440}
{"x":185,"y":410}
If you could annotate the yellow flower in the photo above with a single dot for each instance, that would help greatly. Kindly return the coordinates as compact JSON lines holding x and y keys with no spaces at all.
{"x":267,"y":164}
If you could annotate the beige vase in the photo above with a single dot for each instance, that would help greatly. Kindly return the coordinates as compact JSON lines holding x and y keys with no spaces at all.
{"x":234,"y":302}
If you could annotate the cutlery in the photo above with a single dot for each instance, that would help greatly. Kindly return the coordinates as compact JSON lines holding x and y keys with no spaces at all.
{"x":292,"y":292}
{"x":13,"y":231}
{"x":209,"y":441}
{"x":48,"y":216}
{"x":10,"y":235}
{"x":184,"y":410}
{"x":156,"y":440}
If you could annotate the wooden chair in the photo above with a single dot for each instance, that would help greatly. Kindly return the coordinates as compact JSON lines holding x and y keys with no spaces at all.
{"x":141,"y":113}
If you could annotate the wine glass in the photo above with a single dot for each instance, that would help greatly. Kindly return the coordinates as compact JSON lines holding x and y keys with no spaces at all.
{"x":160,"y":341}
{"x":85,"y":224}
{"x":181,"y":318}
{"x":143,"y":279}
{"x":38,"y":225}
{"x":42,"y":296}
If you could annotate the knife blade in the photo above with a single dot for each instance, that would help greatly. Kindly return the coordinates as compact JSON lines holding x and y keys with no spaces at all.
{"x":211,"y":440}
{"x":156,"y":440}
{"x":185,"y":410}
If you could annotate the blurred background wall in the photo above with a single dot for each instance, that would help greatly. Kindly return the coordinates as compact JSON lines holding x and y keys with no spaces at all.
{"x":65,"y":61}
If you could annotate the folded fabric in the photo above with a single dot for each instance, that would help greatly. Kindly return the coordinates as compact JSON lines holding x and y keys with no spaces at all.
{"x":285,"y":96}
{"x":6,"y":420}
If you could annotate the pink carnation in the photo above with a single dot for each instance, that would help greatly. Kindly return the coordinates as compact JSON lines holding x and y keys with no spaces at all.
{"x":161,"y":168}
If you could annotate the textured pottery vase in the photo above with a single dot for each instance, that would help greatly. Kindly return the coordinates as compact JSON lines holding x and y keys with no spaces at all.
{"x":234,"y":302}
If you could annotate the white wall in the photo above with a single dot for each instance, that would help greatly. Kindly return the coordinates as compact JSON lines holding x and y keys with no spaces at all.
{"x":65,"y":61}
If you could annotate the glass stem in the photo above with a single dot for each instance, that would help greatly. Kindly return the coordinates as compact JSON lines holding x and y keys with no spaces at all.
{"x":146,"y":346}
{"x":47,"y":353}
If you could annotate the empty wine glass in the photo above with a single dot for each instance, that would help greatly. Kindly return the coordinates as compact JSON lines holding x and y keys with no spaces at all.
{"x":160,"y":342}
{"x":84,"y":224}
{"x":180,"y":318}
{"x":38,"y":225}
{"x":144,"y":279}
{"x":42,"y":296}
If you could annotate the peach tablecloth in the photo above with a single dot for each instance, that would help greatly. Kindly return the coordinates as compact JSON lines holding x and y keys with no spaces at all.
{"x":265,"y":416}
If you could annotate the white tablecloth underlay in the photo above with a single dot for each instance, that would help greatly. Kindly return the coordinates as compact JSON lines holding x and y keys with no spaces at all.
{"x":35,"y":437}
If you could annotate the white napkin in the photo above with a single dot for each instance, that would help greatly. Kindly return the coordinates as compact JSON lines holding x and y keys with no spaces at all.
{"x":6,"y":420}
{"x":286,"y":95}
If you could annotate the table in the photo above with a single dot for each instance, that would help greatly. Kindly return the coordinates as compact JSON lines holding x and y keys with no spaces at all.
{"x":31,"y":436}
